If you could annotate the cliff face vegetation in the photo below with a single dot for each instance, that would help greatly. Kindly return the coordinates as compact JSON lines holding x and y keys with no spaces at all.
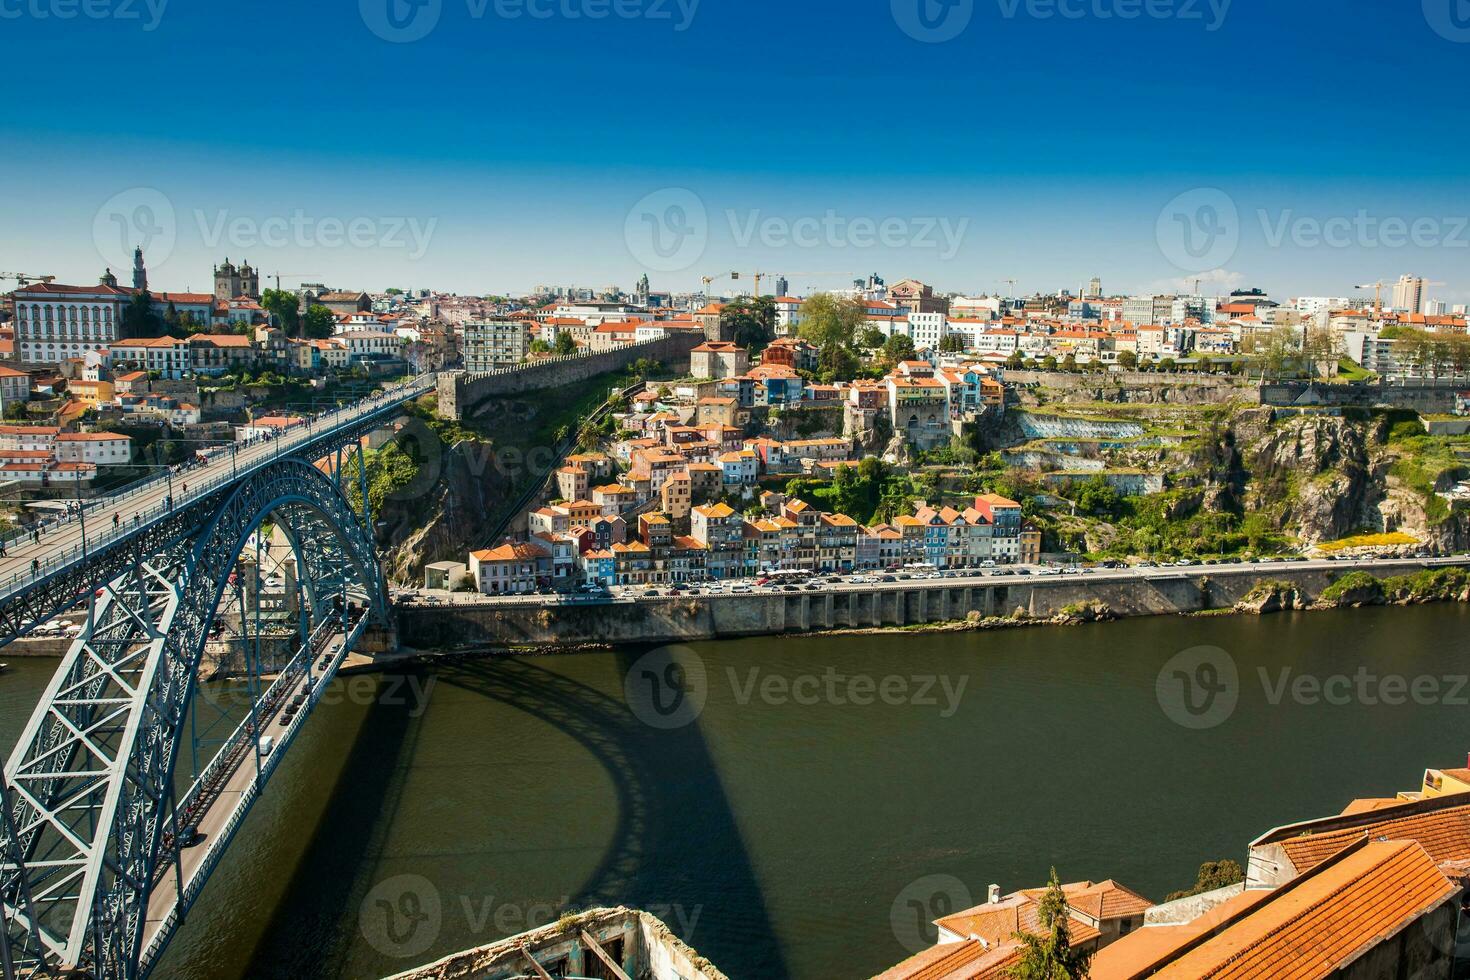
{"x":1251,"y":479}
{"x":442,"y":487}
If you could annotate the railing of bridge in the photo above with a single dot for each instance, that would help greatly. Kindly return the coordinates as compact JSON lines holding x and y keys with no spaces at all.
{"x":246,"y":461}
{"x":225,"y":759}
{"x":217,"y":846}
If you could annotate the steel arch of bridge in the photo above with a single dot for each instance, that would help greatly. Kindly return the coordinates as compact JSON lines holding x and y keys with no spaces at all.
{"x":91,"y":781}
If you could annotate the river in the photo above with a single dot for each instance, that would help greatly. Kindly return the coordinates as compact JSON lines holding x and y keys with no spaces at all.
{"x":828,"y":790}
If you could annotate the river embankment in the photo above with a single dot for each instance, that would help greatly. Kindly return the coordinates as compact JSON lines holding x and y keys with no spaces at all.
{"x":941,"y":604}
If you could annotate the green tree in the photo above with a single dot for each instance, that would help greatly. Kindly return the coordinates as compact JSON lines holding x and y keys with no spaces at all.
{"x":1069,"y":363}
{"x":1127,"y":360}
{"x":1048,"y":363}
{"x":870,"y":338}
{"x":952,"y":342}
{"x":1212,"y":875}
{"x":751,"y":323}
{"x":835,"y":362}
{"x":319,"y":322}
{"x":1166,"y":364}
{"x":1275,"y":349}
{"x":1097,"y":496}
{"x":1321,"y":347}
{"x":825,"y":320}
{"x":1049,"y":955}
{"x":173,"y":324}
{"x":899,"y":347}
{"x":1015,"y":361}
{"x":564,"y":343}
{"x":138,"y":318}
{"x":16,"y":412}
{"x":284,"y":306}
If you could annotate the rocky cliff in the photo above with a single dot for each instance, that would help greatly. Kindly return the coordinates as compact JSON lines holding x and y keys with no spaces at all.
{"x":1324,"y":477}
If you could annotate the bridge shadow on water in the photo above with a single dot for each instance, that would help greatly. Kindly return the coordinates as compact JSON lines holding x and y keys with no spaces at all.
{"x":675,"y":841}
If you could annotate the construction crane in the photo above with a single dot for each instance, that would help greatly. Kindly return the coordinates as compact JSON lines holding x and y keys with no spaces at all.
{"x":810,"y":275}
{"x":1377,"y":288}
{"x":709,"y":279}
{"x":24,"y":279}
{"x":291,"y":275}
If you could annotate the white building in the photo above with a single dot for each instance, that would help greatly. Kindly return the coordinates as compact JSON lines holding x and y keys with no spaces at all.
{"x":927,"y":329}
{"x":96,"y":448}
{"x":28,"y":438}
{"x":169,"y":356}
{"x":1315,"y":305}
{"x":368,"y":343}
{"x":788,"y":315}
{"x":54,"y":322}
{"x":975,"y":307}
{"x":996,"y":341}
{"x":15,"y":386}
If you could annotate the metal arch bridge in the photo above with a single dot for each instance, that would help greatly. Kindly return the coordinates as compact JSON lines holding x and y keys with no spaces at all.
{"x":104,"y":842}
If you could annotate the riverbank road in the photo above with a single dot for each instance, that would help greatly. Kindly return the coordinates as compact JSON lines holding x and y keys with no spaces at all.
{"x":864,"y":581}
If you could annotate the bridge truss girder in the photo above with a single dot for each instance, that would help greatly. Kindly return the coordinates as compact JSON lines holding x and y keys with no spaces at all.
{"x":90,"y":785}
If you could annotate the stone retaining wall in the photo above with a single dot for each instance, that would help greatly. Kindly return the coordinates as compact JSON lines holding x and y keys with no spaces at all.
{"x":460,"y":393}
{"x":670,"y":619}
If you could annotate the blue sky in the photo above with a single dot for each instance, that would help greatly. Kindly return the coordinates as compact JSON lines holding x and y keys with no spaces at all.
{"x":502,"y":150}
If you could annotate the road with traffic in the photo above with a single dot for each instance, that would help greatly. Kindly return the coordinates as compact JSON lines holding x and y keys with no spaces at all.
{"x":35,"y":552}
{"x":864,"y":581}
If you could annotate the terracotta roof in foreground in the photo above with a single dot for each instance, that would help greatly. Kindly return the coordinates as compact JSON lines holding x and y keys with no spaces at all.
{"x":1441,"y":824}
{"x":1326,"y":922}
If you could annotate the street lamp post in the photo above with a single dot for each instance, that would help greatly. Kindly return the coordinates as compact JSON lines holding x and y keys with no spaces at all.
{"x":81,"y":511}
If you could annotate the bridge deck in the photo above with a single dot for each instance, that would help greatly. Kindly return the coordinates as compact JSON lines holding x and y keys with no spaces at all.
{"x":61,"y":543}
{"x":232,"y":795}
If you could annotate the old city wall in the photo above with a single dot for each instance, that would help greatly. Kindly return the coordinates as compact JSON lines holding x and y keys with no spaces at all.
{"x":461,"y":393}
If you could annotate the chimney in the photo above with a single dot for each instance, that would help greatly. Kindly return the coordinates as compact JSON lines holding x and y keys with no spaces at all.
{"x":992,"y":894}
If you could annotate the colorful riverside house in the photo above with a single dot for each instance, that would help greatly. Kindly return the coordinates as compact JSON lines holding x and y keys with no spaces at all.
{"x":512,"y":568}
{"x":1004,"y":516}
{"x":599,"y":567}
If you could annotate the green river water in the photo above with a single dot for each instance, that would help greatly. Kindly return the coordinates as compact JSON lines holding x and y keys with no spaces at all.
{"x":828,"y":796}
